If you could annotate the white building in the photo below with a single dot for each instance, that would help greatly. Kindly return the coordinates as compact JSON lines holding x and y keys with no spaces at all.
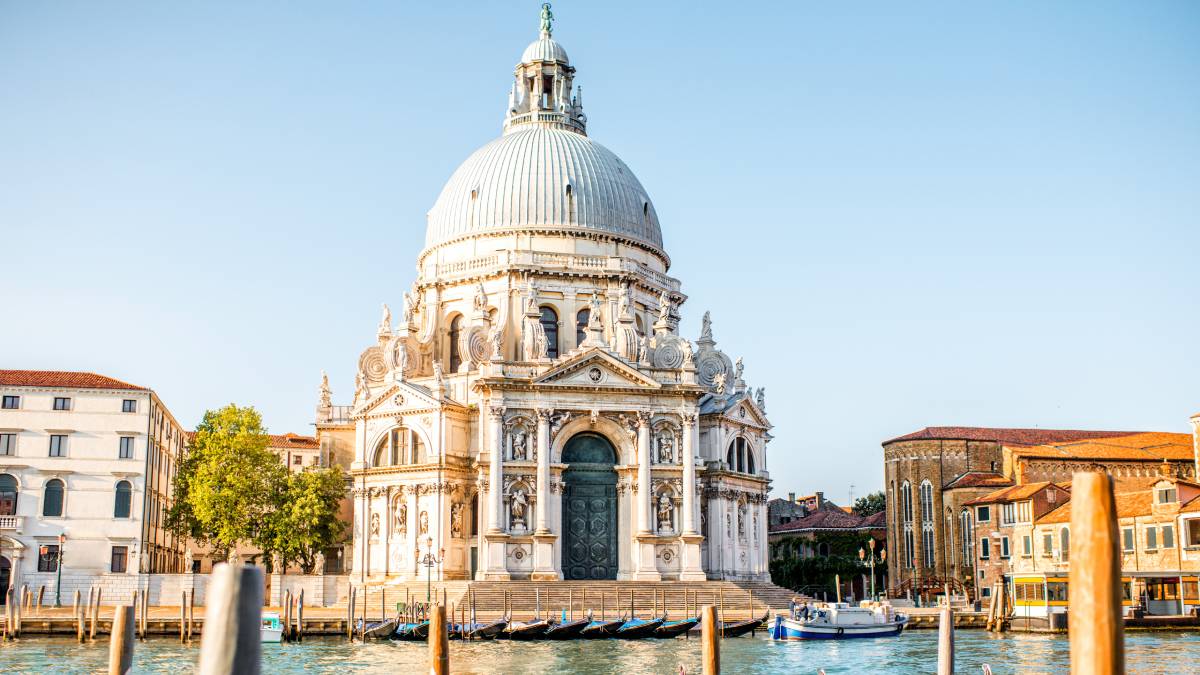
{"x":536,"y":414}
{"x":86,"y":464}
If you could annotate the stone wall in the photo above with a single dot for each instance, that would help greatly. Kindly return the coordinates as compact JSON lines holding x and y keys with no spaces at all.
{"x":167,"y":589}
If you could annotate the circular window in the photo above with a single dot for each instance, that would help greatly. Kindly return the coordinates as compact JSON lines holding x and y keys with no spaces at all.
{"x":595,"y":374}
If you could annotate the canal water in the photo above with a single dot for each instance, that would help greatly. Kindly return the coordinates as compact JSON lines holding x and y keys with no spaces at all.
{"x":915,"y":652}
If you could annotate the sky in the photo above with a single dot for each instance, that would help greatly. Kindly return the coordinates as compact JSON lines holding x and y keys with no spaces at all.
{"x":901,"y":215}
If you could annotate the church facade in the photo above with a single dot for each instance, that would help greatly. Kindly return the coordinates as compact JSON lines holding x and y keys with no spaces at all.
{"x":533,"y":412}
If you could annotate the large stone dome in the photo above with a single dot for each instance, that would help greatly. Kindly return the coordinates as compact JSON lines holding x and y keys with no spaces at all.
{"x":543,"y":177}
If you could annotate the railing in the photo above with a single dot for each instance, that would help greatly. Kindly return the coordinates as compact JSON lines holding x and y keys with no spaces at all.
{"x":339,"y":413}
{"x":545,"y":116}
{"x":10,"y":522}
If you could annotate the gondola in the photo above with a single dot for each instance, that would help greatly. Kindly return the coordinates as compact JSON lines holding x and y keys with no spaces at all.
{"x":601,"y":629}
{"x":671,"y":629}
{"x":378,"y":630}
{"x":528,"y":630}
{"x":638,"y":628}
{"x":738,"y":628}
{"x":412,"y":632}
{"x":568,"y":630}
{"x":485,"y":631}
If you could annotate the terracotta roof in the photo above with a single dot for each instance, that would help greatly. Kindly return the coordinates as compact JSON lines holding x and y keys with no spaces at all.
{"x":975,"y":479}
{"x":1014,"y":493}
{"x":293,"y":441}
{"x":1134,"y":497}
{"x":1005,"y":436}
{"x":62,"y":378}
{"x":1150,"y":446}
{"x":831,"y":520}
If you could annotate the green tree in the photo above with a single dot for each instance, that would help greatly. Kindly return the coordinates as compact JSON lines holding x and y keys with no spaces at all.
{"x":870,"y":504}
{"x":305,"y":521}
{"x":228,"y":485}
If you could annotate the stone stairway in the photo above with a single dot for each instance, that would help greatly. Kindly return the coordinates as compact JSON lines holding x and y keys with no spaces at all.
{"x":613,"y":597}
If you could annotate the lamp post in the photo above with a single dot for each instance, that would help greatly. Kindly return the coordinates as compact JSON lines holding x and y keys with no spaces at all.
{"x":429,"y":561}
{"x":62,"y":542}
{"x":871,"y":560}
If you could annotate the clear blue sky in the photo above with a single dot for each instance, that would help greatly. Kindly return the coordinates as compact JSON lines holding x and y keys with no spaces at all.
{"x":900,"y":214}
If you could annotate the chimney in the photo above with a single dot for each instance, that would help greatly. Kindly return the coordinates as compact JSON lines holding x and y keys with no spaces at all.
{"x":820,"y":499}
{"x":792,"y":497}
{"x":1196,"y":446}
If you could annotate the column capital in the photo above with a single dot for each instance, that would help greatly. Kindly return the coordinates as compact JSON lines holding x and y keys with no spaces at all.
{"x":688,"y":418}
{"x":544,"y":414}
{"x":643,"y":418}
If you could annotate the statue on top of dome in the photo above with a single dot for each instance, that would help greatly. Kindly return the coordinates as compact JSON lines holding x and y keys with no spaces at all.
{"x":385,"y":324}
{"x":547,"y":19}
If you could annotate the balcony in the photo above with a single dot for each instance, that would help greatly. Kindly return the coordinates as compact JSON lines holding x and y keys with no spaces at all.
{"x":10,"y":523}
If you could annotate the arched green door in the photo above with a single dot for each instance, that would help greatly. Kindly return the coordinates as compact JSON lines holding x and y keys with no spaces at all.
{"x":589,"y":508}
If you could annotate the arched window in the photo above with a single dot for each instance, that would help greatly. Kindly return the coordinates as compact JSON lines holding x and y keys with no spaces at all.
{"x":967,"y":530}
{"x":399,"y":446}
{"x":740,"y":457}
{"x":908,"y":557}
{"x":8,"y":495}
{"x":550,"y":326}
{"x":823,"y":549}
{"x":52,"y":499}
{"x":581,"y":322}
{"x":455,"y":332}
{"x":124,"y":499}
{"x":926,"y":502}
{"x":637,"y":326}
{"x":906,"y":501}
{"x":927,"y":549}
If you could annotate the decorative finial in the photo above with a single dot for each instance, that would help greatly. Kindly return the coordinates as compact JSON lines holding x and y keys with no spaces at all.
{"x":547,"y":20}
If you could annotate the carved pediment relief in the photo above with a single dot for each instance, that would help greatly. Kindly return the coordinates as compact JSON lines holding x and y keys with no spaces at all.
{"x":596,"y":368}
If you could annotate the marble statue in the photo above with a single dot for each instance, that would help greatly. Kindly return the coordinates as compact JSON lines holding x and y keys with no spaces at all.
{"x":706,"y":327}
{"x":423,"y":527}
{"x":374,"y":524}
{"x":456,"y":520}
{"x":401,"y":516}
{"x":665,"y":509}
{"x":518,"y":509}
{"x":666,"y":448}
{"x":519,"y":453}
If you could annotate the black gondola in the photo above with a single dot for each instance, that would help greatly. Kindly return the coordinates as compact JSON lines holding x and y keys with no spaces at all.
{"x":566,"y":631}
{"x":671,"y":629}
{"x":738,"y":628}
{"x":601,"y":629}
{"x":530,"y":630}
{"x":487,"y":631}
{"x":413,"y":632}
{"x":638,"y":628}
{"x":378,"y":630}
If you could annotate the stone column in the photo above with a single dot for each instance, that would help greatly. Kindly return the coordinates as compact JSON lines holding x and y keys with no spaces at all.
{"x":643,"y":476}
{"x":689,"y":474}
{"x":496,"y":469}
{"x":543,"y":539}
{"x":543,"y":470}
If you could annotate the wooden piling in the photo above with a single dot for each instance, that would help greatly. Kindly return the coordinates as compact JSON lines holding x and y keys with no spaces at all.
{"x":41,"y":597}
{"x":300,"y":616}
{"x":120,"y":643}
{"x":287,"y":616}
{"x":362,"y":627}
{"x":439,"y":645}
{"x":1094,"y":623}
{"x":721,"y":613}
{"x":145,"y":611}
{"x":15,"y":628}
{"x":946,"y":642}
{"x":7,"y":612}
{"x":710,"y":638}
{"x":191,"y":612}
{"x":95,"y":614}
{"x":78,"y":617}
{"x":350,"y":615}
{"x":231,"y":641}
{"x":182,"y":616}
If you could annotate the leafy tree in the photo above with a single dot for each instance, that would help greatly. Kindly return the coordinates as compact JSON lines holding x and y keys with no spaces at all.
{"x":228,"y":485}
{"x":305,"y":521}
{"x":817,"y":573}
{"x":870,"y":504}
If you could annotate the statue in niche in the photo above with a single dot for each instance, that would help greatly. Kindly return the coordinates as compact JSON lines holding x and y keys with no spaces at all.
{"x":754,"y":527}
{"x":666,"y":449}
{"x":517,"y":507}
{"x":519,"y":452}
{"x":423,"y":526}
{"x":456,"y":520}
{"x":374,"y":524}
{"x":401,"y":518}
{"x":742,"y":521}
{"x":665,"y":511}
{"x":728,"y":526}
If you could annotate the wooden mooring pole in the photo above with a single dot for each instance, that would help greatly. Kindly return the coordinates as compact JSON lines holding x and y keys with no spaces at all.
{"x":710,"y":638}
{"x":231,"y":641}
{"x":182,"y":617}
{"x":300,"y":616}
{"x":95,"y":614}
{"x":287,"y":616}
{"x":1094,"y":623}
{"x":76,"y":611}
{"x":439,"y":644}
{"x":41,"y":597}
{"x":120,"y":643}
{"x":191,"y":612}
{"x":946,"y":642}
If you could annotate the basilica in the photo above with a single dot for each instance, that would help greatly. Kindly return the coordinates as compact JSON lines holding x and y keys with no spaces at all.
{"x":533,"y":411}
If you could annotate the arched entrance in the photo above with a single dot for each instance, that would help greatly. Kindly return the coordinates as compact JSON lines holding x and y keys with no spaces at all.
{"x":5,"y":578}
{"x":589,"y":508}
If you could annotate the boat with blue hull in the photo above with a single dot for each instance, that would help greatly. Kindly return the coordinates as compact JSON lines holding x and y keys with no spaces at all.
{"x":839,"y":621}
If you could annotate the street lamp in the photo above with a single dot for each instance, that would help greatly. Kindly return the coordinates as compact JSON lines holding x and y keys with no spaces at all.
{"x":429,"y":561}
{"x":882,"y":557}
{"x":62,"y":541}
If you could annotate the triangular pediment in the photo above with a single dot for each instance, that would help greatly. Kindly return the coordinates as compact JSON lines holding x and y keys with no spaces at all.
{"x":746,"y":411}
{"x":596,"y":368}
{"x":401,"y":396}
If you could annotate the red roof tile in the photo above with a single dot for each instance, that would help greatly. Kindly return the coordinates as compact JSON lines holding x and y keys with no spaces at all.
{"x":1006,"y":436}
{"x":293,"y":441}
{"x":832,"y":520}
{"x":974,"y":479}
{"x":62,"y":378}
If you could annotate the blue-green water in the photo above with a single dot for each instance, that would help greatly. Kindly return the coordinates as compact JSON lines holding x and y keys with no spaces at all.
{"x":915,"y":652}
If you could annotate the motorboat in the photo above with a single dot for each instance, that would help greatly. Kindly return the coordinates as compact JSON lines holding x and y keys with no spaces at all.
{"x":272,"y":627}
{"x":839,"y":621}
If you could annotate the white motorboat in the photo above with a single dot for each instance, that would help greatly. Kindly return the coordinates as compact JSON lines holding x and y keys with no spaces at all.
{"x":272,"y":627}
{"x":838,"y":621}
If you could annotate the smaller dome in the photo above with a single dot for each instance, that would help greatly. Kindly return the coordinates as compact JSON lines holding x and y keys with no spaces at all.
{"x":544,"y":49}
